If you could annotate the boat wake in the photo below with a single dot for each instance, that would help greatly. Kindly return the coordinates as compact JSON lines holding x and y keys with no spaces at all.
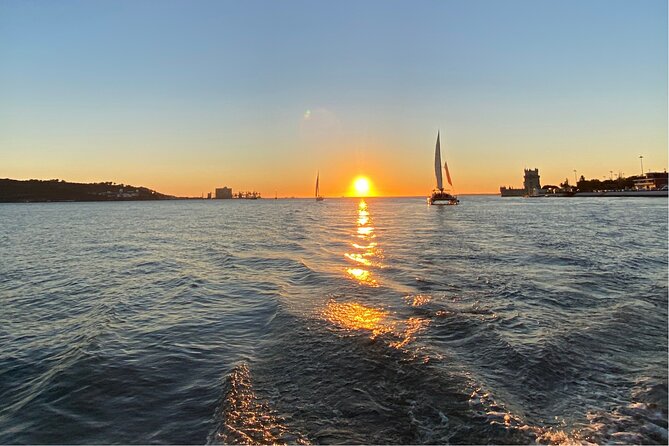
{"x":242,"y":418}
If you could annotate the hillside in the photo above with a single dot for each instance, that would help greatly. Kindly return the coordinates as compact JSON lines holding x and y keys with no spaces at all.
{"x":59,"y":190}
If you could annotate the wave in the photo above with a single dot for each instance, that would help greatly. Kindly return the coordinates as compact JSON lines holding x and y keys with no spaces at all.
{"x":243,"y":418}
{"x":496,"y":322}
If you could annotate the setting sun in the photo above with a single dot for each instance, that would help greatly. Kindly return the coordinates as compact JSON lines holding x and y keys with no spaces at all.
{"x":361,"y":186}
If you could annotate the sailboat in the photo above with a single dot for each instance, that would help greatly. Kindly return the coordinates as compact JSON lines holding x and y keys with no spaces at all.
{"x":439,"y":195}
{"x":318,"y":194}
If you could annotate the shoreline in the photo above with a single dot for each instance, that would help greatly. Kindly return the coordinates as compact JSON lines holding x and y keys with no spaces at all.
{"x":613,"y":194}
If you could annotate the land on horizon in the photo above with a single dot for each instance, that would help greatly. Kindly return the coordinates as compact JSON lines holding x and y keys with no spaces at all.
{"x":58,"y":190}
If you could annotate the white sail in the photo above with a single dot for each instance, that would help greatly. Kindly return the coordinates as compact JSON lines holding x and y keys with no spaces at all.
{"x":437,"y":165}
{"x":317,"y":175}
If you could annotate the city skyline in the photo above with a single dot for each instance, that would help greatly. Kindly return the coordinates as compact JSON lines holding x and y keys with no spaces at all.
{"x":187,"y":97}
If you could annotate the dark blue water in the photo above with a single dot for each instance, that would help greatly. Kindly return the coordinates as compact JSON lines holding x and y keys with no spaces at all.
{"x":291,"y":321}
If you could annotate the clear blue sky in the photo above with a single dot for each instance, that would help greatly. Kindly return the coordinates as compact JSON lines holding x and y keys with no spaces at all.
{"x":184,"y":96}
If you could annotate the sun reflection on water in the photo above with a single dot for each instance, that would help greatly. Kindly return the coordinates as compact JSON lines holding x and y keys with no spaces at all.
{"x":360,"y":258}
{"x":412,"y":326}
{"x":354,"y":316}
{"x":366,"y":231}
{"x":365,"y":250}
{"x":364,"y":247}
{"x":363,"y":276}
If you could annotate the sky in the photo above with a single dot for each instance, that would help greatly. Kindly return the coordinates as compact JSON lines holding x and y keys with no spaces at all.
{"x":186,"y":96}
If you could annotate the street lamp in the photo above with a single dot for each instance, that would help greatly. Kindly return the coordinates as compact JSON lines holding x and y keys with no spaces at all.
{"x":641,"y":158}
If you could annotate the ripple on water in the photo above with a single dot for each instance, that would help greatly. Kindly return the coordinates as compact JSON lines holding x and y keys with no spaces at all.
{"x":283,"y":321}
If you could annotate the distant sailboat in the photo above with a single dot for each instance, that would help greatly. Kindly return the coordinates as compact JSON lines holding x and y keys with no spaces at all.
{"x":318,"y":194}
{"x":439,"y":195}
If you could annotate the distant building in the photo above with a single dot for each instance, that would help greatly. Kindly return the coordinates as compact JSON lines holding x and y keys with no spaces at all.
{"x":248,"y":195}
{"x":511,"y":192}
{"x":208,"y":195}
{"x":531,"y":182}
{"x":223,"y":193}
{"x":531,"y":185}
{"x":651,"y":181}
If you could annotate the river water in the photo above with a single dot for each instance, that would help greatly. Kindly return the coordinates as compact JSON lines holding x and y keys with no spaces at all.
{"x":347,"y":321}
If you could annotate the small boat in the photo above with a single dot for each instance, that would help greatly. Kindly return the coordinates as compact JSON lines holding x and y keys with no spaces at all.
{"x":439,"y":195}
{"x":318,"y":192}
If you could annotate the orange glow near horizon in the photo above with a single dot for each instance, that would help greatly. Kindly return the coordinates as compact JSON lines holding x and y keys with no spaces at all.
{"x":399,"y":166}
{"x":390,"y":176}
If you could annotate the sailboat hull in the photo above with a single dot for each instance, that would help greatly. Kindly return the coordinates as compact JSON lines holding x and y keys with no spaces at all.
{"x":442,"y":198}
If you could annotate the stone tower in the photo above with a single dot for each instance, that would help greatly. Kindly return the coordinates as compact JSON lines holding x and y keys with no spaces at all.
{"x":531,"y":182}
